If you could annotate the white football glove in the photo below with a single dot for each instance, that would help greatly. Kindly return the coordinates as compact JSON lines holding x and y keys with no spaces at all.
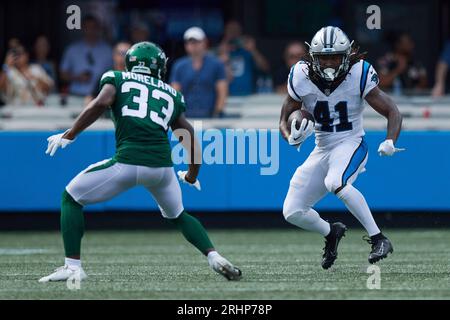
{"x":387,"y":148}
{"x":56,"y":141}
{"x":182,"y":177}
{"x":297,"y":136}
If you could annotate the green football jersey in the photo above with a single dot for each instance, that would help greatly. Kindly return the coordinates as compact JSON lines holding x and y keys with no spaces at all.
{"x":143,"y":111}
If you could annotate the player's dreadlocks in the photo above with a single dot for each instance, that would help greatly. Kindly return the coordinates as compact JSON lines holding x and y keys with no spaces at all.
{"x":355,"y":56}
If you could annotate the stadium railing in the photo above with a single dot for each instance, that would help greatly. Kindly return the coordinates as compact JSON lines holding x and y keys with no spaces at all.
{"x":257,"y":111}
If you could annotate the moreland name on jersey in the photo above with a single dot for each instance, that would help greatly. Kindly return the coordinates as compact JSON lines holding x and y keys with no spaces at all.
{"x":337,"y":113}
{"x":143,"y":110}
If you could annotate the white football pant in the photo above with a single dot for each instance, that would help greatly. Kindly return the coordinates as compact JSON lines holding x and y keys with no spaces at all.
{"x":325,"y":170}
{"x":104,"y":180}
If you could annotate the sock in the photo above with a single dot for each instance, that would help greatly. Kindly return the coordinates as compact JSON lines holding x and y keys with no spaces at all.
{"x":309,"y":220}
{"x":213,"y":254}
{"x":73,"y":262}
{"x":72,"y":225}
{"x":194,"y":232}
{"x":328,"y":236}
{"x":377,"y":237}
{"x":357,"y":205}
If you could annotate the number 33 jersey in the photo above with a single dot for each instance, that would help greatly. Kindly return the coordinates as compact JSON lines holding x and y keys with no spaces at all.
{"x":143,"y":111}
{"x":337,"y":113}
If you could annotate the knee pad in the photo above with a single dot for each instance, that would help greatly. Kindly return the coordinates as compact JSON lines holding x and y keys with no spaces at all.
{"x":295,"y":216}
{"x":302,"y":219}
{"x":290,"y":208}
{"x":172,"y":218}
{"x":332,"y":183}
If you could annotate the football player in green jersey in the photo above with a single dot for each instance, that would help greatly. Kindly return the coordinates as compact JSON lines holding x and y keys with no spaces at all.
{"x":143,"y":109}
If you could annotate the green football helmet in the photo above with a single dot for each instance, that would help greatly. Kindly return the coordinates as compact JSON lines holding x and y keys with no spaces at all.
{"x":146,"y":57}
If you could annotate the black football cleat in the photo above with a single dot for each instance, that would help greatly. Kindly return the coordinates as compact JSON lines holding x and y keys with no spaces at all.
{"x":381,"y":247}
{"x":337,"y":231}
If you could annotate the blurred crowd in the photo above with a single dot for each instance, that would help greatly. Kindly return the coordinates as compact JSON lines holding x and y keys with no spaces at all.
{"x":207,"y":75}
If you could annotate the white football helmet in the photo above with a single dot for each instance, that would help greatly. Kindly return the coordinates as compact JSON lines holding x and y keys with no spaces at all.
{"x":330,"y":40}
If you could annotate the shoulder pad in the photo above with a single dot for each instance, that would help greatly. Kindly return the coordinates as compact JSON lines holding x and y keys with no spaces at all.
{"x":298,"y":80}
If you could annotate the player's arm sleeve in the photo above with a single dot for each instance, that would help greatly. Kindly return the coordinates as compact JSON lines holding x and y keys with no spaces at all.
{"x":293,"y":83}
{"x":181,"y":106}
{"x":369,"y":79}
{"x":107,"y":77}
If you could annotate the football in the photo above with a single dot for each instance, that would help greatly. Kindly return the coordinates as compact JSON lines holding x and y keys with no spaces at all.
{"x":299,"y":115}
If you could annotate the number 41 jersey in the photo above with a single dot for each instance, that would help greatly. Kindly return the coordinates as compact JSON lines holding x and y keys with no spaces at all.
{"x":337,"y":114}
{"x":143,"y":111}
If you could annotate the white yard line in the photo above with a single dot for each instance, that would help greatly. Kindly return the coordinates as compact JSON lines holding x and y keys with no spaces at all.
{"x":24,"y":251}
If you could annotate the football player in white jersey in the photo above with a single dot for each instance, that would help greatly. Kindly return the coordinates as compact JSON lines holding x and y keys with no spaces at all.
{"x":332,"y":83}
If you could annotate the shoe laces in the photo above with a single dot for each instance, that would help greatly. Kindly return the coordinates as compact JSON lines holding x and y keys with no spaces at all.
{"x":369,"y":241}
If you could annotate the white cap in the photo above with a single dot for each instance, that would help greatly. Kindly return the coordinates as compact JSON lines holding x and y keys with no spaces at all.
{"x":195,"y":33}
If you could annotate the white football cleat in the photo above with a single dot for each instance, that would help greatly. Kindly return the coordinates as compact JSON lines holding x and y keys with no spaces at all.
{"x":224,"y":267}
{"x":64,"y":273}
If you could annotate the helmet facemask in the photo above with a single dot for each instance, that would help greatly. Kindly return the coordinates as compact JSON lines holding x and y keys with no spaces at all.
{"x":328,"y":73}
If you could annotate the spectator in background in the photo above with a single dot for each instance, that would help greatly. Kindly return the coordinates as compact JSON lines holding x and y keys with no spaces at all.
{"x":224,"y":55}
{"x":22,"y":83}
{"x":85,"y":61}
{"x":14,"y":42}
{"x":139,"y":32}
{"x":398,"y":70}
{"x":441,"y":72}
{"x":200,"y":77}
{"x":41,"y":54}
{"x":244,"y":58}
{"x":293,"y":53}
{"x":118,"y":57}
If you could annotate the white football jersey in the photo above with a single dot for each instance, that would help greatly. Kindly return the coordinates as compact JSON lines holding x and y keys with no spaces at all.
{"x":337,"y":114}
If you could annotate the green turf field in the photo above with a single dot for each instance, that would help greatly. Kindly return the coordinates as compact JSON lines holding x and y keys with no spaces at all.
{"x":277,"y":264}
